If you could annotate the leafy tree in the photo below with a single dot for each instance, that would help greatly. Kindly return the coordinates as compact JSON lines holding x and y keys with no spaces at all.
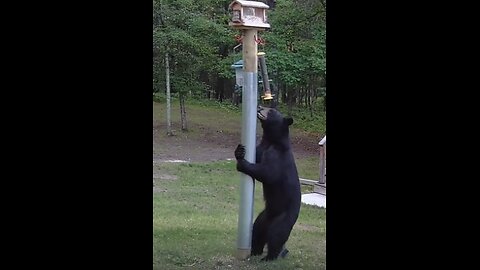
{"x":296,"y":47}
{"x":195,"y":37}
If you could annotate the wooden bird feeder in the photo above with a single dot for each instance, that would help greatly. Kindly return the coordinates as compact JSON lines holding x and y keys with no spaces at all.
{"x":248,"y":15}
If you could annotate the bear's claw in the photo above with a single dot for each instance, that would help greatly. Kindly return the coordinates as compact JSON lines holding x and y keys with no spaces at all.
{"x":240,"y":152}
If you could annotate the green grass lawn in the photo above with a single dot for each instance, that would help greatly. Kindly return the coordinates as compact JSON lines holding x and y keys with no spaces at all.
{"x":198,"y":110}
{"x":195,"y":221}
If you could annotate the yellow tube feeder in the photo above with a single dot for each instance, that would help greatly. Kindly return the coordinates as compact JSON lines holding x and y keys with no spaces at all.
{"x":266,"y":85}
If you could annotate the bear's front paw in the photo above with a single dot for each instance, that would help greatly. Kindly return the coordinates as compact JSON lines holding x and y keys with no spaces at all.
{"x":240,"y":152}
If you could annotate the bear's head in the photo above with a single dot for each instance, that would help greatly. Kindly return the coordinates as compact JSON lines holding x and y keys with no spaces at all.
{"x":274,"y":125}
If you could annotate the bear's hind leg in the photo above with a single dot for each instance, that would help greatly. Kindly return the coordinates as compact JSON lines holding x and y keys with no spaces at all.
{"x":278,"y":234}
{"x":259,"y":234}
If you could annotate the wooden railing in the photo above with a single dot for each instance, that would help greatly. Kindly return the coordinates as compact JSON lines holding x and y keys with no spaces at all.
{"x":321,"y":185}
{"x":323,"y":161}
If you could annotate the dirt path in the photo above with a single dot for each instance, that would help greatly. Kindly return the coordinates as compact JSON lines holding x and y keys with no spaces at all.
{"x":211,"y":145}
{"x":202,"y":146}
{"x":212,"y":136}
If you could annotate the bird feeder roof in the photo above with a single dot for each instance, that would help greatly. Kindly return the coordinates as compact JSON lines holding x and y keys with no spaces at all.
{"x":249,"y":4}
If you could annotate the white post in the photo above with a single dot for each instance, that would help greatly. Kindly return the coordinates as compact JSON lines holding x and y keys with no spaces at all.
{"x":323,"y":160}
{"x":167,"y":79}
{"x":249,"y":126}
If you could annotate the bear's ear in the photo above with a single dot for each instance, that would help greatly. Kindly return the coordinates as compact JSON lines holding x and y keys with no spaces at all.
{"x":288,"y":120}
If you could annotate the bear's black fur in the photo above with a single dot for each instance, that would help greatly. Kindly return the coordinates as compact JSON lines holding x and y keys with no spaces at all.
{"x":275,"y":168}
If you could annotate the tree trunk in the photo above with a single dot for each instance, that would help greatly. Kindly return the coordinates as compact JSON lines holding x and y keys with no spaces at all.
{"x":290,"y":101}
{"x":325,"y":103}
{"x":301,"y":96}
{"x":183,"y":112}
{"x":167,"y":79}
{"x":309,"y":100}
{"x":228,"y":89}
{"x":220,"y":88}
{"x":284,"y":94}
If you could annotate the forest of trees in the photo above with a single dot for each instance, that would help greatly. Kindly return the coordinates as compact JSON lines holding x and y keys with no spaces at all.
{"x":195,"y":38}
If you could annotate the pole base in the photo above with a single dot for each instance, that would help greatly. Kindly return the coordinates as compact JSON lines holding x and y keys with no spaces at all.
{"x":242,"y":254}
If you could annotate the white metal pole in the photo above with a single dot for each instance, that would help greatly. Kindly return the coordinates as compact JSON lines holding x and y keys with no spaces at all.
{"x":249,"y":126}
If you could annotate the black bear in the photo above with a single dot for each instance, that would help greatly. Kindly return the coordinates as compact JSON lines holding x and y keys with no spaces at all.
{"x":275,"y":168}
